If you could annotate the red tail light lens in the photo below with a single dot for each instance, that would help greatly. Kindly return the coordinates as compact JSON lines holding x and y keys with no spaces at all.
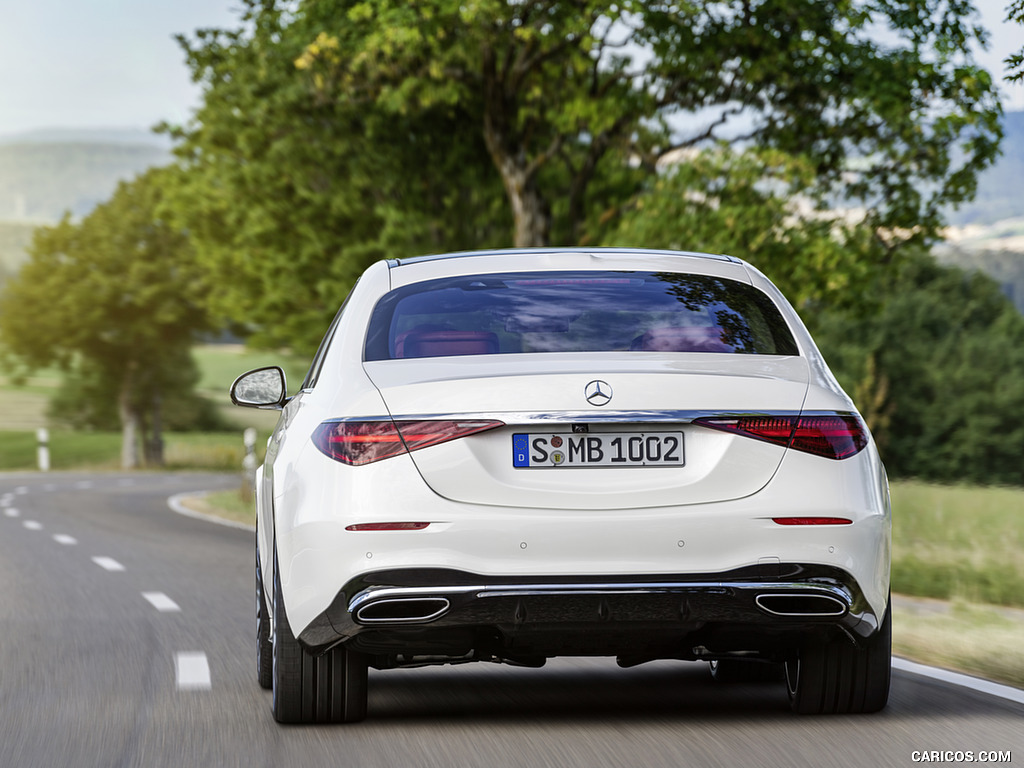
{"x":831,"y":435}
{"x":812,"y":521}
{"x":364,"y":442}
{"x":834,"y":436}
{"x":387,"y":527}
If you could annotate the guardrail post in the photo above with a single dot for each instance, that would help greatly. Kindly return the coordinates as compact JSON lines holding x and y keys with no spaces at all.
{"x":43,"y":451}
{"x":249,"y":464}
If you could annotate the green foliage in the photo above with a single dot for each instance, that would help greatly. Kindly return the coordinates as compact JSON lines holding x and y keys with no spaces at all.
{"x":336,"y":132}
{"x":86,"y":398}
{"x":575,"y":83}
{"x":1015,"y":62}
{"x":940,"y":368}
{"x":288,"y":196}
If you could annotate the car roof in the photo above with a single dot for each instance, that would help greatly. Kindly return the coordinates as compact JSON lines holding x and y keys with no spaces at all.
{"x":556,"y":251}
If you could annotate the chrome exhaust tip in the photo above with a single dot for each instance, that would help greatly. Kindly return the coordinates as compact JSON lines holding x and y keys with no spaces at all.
{"x":402,"y":610}
{"x":801,"y":604}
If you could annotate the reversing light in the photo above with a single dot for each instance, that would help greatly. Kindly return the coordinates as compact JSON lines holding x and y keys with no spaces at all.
{"x":812,"y":521}
{"x":831,"y":435}
{"x":364,"y":442}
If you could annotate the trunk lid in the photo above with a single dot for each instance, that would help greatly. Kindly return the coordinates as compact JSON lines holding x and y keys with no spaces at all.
{"x":545,"y":396}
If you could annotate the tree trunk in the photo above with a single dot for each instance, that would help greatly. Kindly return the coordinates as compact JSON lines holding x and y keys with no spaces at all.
{"x":156,"y":450}
{"x":129,"y":420}
{"x":507,"y":149}
{"x":529,"y":209}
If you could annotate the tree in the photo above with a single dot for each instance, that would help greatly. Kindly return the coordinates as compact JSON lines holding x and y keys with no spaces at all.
{"x":1015,"y":62}
{"x":560,"y":88}
{"x":115,"y":297}
{"x":336,"y":132}
{"x":288,"y":196}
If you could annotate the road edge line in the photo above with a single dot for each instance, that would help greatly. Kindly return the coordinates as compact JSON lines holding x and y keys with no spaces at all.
{"x":959,"y":679}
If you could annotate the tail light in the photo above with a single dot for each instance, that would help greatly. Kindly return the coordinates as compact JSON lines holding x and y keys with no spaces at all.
{"x":812,"y":521}
{"x":364,"y":442}
{"x":831,"y":435}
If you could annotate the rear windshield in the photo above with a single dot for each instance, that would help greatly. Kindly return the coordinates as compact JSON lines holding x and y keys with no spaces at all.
{"x":576,"y":312}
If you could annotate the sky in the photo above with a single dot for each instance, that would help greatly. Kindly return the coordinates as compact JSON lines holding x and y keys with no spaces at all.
{"x":91,"y":64}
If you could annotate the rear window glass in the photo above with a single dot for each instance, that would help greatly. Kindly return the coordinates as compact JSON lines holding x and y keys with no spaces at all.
{"x":576,"y":312}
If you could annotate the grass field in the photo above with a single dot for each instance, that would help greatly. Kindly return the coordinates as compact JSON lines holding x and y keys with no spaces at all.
{"x":958,"y":542}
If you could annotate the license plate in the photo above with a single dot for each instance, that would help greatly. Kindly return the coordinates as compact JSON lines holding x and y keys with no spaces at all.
{"x":601,"y":449}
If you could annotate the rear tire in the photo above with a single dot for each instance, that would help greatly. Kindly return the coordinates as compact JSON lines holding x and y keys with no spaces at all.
{"x":264,"y":649}
{"x":839,"y":677}
{"x":330,"y":688}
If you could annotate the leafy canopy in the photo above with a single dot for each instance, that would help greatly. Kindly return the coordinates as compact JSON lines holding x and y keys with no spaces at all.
{"x":1015,"y":61}
{"x":557,"y":88}
{"x":336,"y":132}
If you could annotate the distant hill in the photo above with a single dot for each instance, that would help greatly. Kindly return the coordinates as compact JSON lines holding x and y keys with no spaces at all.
{"x":40,"y":180}
{"x":87,"y":136}
{"x":14,"y":240}
{"x":999,"y":187}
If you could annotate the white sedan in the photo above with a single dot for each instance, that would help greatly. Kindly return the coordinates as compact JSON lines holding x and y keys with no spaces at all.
{"x":515,"y":455}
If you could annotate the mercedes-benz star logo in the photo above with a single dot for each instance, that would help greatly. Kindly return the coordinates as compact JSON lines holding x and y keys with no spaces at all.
{"x":598,"y":392}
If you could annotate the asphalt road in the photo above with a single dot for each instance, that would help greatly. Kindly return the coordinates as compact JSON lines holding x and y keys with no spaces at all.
{"x":127,"y":640}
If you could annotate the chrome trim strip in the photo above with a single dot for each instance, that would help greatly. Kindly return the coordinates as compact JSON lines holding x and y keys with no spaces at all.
{"x":515,"y":418}
{"x":512,"y":418}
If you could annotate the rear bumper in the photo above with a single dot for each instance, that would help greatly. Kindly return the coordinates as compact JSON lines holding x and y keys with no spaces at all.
{"x":765,"y":611}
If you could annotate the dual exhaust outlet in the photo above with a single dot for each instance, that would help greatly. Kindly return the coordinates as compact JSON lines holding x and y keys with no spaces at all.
{"x":422,"y":610}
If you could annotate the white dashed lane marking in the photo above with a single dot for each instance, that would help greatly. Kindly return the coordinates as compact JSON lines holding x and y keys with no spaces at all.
{"x":108,"y":563}
{"x":161,"y":602}
{"x":192,"y":671}
{"x":191,"y":668}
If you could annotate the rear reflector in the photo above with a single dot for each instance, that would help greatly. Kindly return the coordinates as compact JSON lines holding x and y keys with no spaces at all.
{"x":812,"y":521}
{"x":386,"y":527}
{"x":831,"y":435}
{"x":364,"y":442}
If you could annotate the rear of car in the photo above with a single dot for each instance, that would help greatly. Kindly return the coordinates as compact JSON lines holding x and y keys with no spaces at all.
{"x":517,"y":455}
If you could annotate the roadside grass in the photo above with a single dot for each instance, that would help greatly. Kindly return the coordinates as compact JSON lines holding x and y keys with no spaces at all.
{"x":976,"y":639}
{"x":221,"y":451}
{"x":958,"y":542}
{"x":230,"y":505}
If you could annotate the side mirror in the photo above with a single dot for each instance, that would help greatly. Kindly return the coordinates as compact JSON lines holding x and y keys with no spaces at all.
{"x":261,"y":388}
